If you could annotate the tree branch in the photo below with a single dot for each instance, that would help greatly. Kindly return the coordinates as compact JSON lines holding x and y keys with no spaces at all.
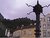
{"x":29,"y":5}
{"x":29,"y":12}
{"x":46,"y":6}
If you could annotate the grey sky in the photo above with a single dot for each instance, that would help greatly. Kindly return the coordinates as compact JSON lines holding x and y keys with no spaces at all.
{"x":12,"y":9}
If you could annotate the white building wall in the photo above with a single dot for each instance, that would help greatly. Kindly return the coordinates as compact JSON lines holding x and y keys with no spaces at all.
{"x":45,"y":29}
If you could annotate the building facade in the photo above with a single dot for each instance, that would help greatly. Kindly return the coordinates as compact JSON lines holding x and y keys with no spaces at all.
{"x":25,"y":33}
{"x":45,"y":26}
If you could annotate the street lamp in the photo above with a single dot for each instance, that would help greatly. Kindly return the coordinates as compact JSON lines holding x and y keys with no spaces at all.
{"x":38,"y":9}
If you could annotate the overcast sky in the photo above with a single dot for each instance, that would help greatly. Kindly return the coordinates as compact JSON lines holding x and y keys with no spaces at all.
{"x":12,"y":9}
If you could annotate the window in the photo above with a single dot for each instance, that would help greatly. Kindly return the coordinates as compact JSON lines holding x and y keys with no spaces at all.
{"x":44,"y":34}
{"x":48,"y":18}
{"x":44,"y":26}
{"x":48,"y":34}
{"x":29,"y":33}
{"x":48,"y":26}
{"x":44,"y":19}
{"x":24,"y":32}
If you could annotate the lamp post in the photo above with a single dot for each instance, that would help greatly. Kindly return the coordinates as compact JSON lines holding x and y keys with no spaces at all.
{"x":38,"y":9}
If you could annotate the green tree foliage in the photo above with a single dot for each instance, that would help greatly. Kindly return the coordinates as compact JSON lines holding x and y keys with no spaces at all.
{"x":13,"y":24}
